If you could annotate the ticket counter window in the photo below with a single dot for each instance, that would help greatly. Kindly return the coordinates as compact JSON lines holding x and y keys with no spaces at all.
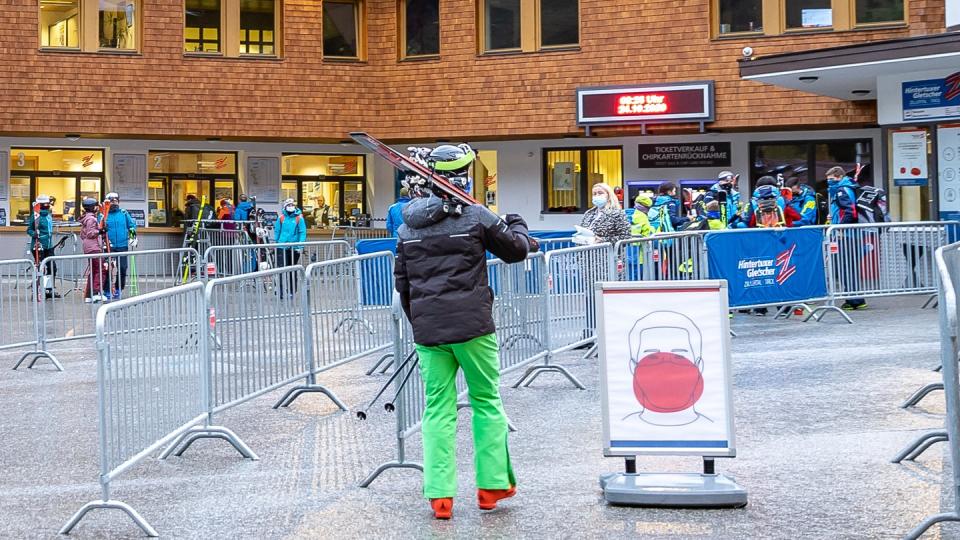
{"x":320,"y":203}
{"x":157,"y":202}
{"x":179,"y":189}
{"x":20,"y":198}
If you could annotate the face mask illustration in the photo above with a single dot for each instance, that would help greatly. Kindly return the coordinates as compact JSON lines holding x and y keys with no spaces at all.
{"x":666,"y":350}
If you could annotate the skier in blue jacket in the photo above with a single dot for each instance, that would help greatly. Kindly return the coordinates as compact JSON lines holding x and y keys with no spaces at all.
{"x":843,"y":210}
{"x":290,"y":227}
{"x":41,"y":232}
{"x":804,"y":201}
{"x":395,"y":212}
{"x":122,"y":235}
{"x":243,"y":210}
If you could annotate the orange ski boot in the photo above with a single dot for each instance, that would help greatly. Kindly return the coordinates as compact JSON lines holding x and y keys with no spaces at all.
{"x":487,"y":498}
{"x":442,"y":508}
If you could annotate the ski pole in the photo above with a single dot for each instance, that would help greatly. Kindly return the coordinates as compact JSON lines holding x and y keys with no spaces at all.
{"x":389,"y":406}
{"x":362,"y":413}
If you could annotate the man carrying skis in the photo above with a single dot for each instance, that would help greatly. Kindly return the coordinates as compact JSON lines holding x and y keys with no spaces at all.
{"x":40,"y":230}
{"x":441,"y":276}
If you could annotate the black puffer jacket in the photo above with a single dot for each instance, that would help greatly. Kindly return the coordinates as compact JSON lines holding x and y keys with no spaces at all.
{"x":441,"y":269}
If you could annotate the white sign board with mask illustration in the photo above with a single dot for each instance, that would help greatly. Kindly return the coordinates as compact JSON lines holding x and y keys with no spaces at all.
{"x":666,"y":388}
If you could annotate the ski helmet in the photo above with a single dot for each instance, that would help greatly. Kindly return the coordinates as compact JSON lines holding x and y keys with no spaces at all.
{"x":454,"y":163}
{"x":89,"y":204}
{"x":113,"y":197}
{"x":43,"y":199}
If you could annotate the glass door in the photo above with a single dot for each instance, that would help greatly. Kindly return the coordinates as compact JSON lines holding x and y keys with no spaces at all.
{"x":223,"y":189}
{"x":89,"y":187}
{"x":21,"y":199}
{"x":909,"y":199}
{"x":353,"y":200}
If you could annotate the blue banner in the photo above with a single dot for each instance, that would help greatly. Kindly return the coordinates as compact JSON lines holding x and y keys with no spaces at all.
{"x":932,"y":99}
{"x":767,"y":266}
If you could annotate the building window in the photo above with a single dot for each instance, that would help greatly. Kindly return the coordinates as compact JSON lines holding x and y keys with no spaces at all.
{"x":60,"y":24}
{"x":502,"y":24}
{"x":559,"y":23}
{"x":66,"y":175}
{"x":341,"y":29}
{"x":738,"y":16}
{"x":420,"y":27}
{"x":329,"y":188}
{"x":504,"y":28}
{"x":570,"y":173}
{"x":257,"y":27}
{"x":174,"y":175}
{"x":810,"y":160}
{"x":807,"y":14}
{"x":879,"y":11}
{"x":201,"y":31}
{"x":118,"y":29}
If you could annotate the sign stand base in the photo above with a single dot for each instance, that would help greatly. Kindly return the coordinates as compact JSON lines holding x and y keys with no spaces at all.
{"x":673,"y":490}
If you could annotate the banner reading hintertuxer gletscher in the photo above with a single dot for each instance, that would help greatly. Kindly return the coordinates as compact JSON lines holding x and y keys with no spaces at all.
{"x":768,"y":266}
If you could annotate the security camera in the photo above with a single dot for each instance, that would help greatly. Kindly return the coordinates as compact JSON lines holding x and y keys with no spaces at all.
{"x":747,"y":52}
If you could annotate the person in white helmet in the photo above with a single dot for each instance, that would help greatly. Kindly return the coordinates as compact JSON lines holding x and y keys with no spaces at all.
{"x":40,"y":230}
{"x":121,"y":235}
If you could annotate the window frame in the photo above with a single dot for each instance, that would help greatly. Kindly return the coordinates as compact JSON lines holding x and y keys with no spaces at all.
{"x":811,"y":161}
{"x":277,"y":33}
{"x":221,"y":42}
{"x":402,"y":34}
{"x":364,"y":180}
{"x":77,"y":176}
{"x":530,"y":31}
{"x":774,"y":13}
{"x":584,"y":192}
{"x":360,"y":25}
{"x":88,"y":30}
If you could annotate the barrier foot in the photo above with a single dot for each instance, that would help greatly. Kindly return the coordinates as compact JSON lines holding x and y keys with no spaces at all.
{"x":109,"y":505}
{"x":182,"y":443}
{"x":920,"y":394}
{"x":535,"y":371}
{"x":938,"y":368}
{"x":909,"y":451}
{"x":591,"y":352}
{"x":820,"y":311}
{"x":918,"y":531}
{"x":923,"y":448}
{"x":732,"y":333}
{"x":387,"y":466}
{"x":297,"y":391}
{"x":931,"y":302}
{"x":36,"y":356}
{"x":380,"y":362}
{"x":354,"y":320}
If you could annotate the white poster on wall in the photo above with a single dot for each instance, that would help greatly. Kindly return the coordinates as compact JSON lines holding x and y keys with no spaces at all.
{"x":948,"y":169}
{"x":909,"y":149}
{"x":665,"y":368}
{"x":130,"y":177}
{"x":263,"y":179}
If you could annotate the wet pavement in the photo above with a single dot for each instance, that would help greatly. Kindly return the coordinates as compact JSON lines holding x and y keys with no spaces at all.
{"x":817,"y":420}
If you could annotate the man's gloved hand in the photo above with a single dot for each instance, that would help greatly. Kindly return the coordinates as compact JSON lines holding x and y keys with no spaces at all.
{"x":534,"y":246}
{"x":514,"y":219}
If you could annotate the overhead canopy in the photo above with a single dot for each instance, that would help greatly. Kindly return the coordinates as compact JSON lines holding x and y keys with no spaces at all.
{"x":850,"y":72}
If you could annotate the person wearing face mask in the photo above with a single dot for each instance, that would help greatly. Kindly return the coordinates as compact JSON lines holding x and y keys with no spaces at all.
{"x":290,"y":227}
{"x":605,"y":219}
{"x":122,"y":235}
{"x":40,"y":230}
{"x":726,"y":183}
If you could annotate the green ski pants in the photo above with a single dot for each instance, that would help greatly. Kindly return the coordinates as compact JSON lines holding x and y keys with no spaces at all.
{"x":481,"y":367}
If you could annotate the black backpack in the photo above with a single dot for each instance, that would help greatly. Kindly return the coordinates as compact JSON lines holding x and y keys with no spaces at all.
{"x":871,"y":204}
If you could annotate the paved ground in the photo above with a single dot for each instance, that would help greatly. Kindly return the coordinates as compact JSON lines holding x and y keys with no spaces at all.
{"x":817,"y":422}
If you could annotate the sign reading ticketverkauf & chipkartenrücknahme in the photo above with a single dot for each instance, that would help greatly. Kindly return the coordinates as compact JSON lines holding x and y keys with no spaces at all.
{"x":684,"y":155}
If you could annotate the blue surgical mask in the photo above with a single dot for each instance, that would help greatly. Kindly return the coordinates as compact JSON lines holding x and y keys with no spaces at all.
{"x":599,"y":200}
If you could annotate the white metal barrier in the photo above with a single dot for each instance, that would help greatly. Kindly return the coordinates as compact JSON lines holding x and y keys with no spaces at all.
{"x":670,"y":256}
{"x":519,"y":296}
{"x":68,"y":308}
{"x":243,"y":259}
{"x":151,"y":380}
{"x":20,"y":292}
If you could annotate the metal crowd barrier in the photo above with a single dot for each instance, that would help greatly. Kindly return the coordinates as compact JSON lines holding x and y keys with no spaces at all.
{"x":352,"y":234}
{"x":213,"y":233}
{"x":570,"y":304}
{"x":236,"y":260}
{"x":669,"y":256}
{"x":151,"y":380}
{"x":884,"y":259}
{"x":519,"y":296}
{"x":350,"y":303}
{"x":260,"y":341}
{"x":947,"y":260}
{"x":19,"y":306}
{"x":82,"y":282}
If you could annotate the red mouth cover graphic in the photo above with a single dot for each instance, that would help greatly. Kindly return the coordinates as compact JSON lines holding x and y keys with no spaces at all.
{"x":666,"y":382}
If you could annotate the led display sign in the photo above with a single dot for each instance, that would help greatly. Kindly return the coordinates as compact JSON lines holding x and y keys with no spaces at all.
{"x":646,"y":104}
